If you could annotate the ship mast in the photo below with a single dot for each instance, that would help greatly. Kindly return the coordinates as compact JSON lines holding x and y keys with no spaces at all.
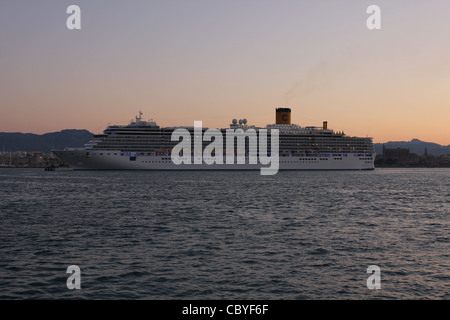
{"x":140,"y":116}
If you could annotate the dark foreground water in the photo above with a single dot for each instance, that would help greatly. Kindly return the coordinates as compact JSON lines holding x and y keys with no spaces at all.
{"x":225,"y":235}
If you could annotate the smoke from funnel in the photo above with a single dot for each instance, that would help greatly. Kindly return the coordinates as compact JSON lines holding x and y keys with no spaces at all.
{"x":316,"y":79}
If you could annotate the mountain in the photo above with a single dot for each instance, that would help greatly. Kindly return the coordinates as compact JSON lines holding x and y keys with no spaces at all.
{"x":45,"y":142}
{"x":77,"y":138}
{"x":415,"y":146}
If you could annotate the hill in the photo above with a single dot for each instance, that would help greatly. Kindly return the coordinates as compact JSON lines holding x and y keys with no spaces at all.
{"x":45,"y":142}
{"x":415,"y":146}
{"x":77,"y":138}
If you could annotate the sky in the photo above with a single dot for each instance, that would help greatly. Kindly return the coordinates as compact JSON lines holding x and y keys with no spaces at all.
{"x":180,"y":61}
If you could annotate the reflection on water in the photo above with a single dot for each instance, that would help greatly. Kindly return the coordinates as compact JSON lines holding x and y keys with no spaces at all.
{"x":225,"y":235}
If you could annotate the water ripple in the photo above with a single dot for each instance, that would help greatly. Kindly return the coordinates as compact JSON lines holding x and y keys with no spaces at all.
{"x":225,"y":235}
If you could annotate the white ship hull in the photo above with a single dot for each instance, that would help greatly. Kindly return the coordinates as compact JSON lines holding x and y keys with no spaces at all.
{"x":114,"y":160}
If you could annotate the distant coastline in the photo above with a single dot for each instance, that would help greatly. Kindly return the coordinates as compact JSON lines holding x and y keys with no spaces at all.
{"x":404,"y":158}
{"x":26,"y":150}
{"x":392,"y":158}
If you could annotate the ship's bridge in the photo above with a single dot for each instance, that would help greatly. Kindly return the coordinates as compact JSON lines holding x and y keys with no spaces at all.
{"x":138,"y":122}
{"x":134,"y":124}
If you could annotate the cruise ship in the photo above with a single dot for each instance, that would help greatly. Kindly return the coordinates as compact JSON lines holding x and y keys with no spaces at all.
{"x":143,"y":145}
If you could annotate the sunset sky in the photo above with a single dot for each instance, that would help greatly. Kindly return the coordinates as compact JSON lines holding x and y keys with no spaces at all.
{"x":214,"y":60}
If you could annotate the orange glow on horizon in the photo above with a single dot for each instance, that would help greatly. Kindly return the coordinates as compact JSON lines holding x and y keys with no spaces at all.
{"x":215,"y":63}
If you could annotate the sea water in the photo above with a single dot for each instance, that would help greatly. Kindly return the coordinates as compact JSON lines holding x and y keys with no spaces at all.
{"x":225,"y":235}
